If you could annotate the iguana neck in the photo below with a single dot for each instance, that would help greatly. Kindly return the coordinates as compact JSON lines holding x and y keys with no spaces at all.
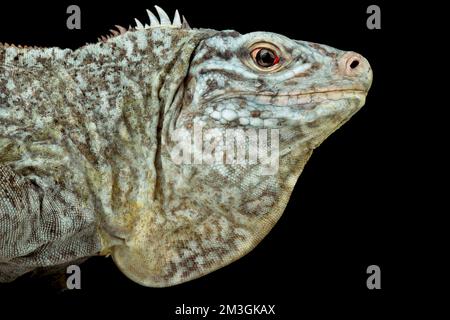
{"x":101,"y":137}
{"x":145,"y":70}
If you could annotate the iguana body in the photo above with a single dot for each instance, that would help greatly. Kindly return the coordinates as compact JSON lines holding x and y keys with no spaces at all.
{"x":86,"y":145}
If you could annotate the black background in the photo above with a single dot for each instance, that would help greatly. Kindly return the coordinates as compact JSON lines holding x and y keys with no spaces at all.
{"x":353,"y":206}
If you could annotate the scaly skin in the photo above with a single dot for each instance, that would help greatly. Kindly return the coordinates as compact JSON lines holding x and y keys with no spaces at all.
{"x":98,"y":125}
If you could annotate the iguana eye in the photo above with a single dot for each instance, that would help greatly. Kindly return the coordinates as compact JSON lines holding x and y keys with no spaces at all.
{"x":265,"y":57}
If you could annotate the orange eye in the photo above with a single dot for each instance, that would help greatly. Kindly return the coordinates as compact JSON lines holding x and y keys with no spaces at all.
{"x":265,"y":57}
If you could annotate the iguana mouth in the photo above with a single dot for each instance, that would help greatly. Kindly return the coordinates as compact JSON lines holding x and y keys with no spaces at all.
{"x":325,"y":93}
{"x":273,"y":96}
{"x":294,"y":98}
{"x":355,"y":89}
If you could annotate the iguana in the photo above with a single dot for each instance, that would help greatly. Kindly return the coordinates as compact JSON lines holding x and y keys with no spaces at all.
{"x":88,"y":137}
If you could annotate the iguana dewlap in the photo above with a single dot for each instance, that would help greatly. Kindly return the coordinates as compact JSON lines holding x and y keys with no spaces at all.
{"x":89,"y":142}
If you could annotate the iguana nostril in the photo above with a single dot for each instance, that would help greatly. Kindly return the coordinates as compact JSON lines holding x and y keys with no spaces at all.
{"x":354,"y":64}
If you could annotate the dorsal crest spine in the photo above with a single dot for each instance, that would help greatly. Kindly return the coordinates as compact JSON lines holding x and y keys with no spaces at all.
{"x":179,"y":21}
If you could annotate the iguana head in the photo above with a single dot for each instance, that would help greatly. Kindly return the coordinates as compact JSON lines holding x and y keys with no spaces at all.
{"x":209,"y":212}
{"x":265,"y":80}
